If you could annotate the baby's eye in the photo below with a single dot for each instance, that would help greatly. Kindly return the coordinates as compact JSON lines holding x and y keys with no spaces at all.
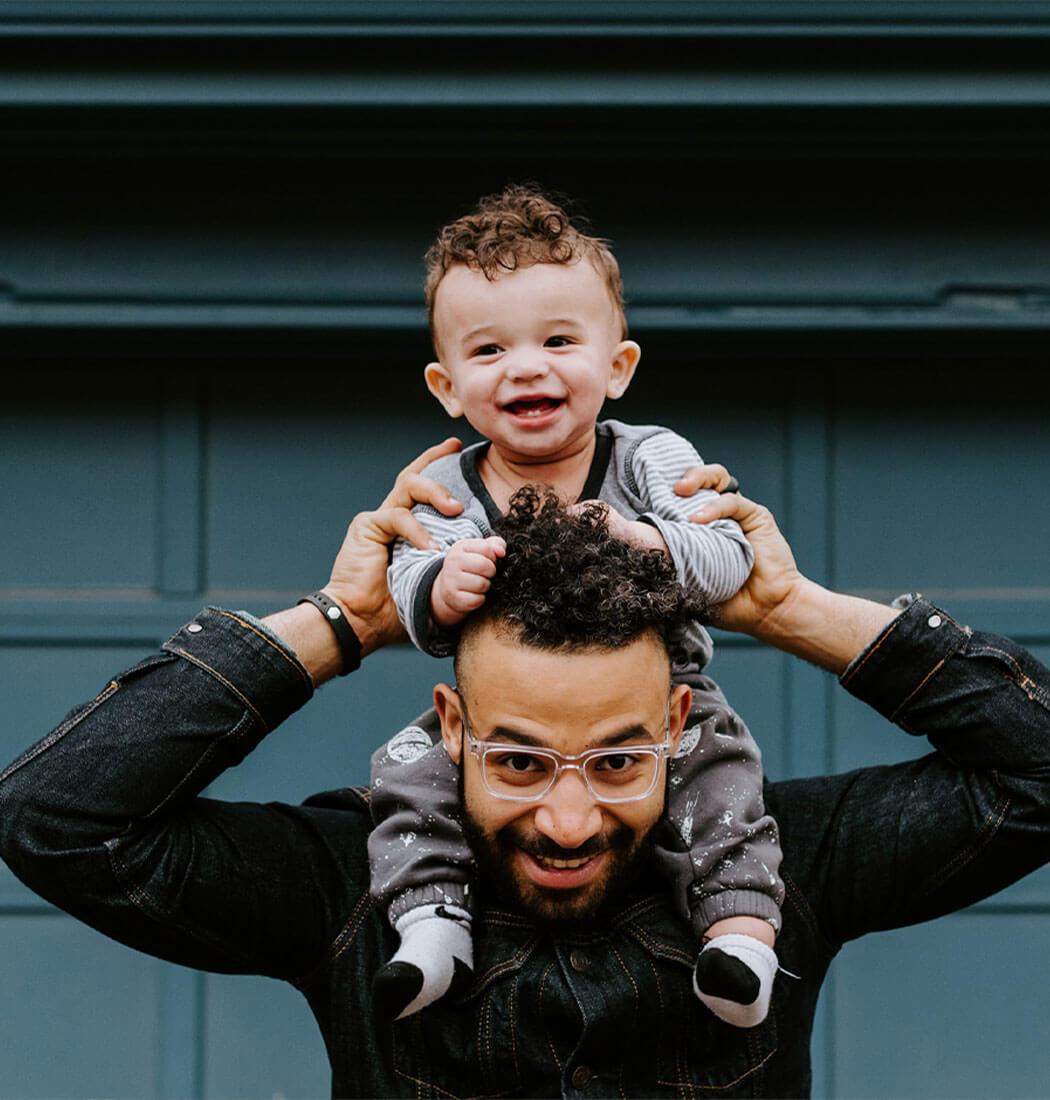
{"x":485,"y":349}
{"x":557,"y":342}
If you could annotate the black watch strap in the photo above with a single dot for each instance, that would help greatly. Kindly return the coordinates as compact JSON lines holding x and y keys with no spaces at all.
{"x":349,"y":643}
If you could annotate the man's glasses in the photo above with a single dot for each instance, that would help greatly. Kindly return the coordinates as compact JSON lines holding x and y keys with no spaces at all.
{"x":519,"y":773}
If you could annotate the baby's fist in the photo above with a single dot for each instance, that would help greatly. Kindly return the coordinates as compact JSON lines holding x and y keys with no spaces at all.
{"x":464,"y":579}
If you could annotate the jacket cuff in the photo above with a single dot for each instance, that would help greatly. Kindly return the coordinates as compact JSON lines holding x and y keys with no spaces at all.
{"x":248,"y":661}
{"x":891,"y":670}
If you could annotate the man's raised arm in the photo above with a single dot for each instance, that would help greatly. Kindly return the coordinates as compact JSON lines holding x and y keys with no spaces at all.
{"x":103,"y":817}
{"x":779,"y":605}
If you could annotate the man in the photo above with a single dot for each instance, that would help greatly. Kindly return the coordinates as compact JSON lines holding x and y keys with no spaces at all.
{"x":582,"y":982}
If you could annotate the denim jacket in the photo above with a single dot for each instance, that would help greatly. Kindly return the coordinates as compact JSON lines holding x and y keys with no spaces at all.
{"x":103,"y":818}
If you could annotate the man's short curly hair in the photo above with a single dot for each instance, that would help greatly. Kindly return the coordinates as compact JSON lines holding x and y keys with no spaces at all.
{"x":515,"y":228}
{"x":566,"y":583}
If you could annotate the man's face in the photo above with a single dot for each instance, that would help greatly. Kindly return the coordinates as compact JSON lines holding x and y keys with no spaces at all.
{"x":567,"y":701}
{"x":529,"y":357}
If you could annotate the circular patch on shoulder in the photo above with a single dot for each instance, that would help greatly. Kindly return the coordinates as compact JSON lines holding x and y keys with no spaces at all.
{"x":408,"y":745}
{"x":690,"y":739}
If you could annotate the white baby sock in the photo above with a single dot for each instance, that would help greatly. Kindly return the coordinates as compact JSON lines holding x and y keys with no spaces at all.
{"x":436,"y":955}
{"x":734,"y":978}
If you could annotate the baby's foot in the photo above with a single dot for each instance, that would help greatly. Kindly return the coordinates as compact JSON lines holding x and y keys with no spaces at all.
{"x":734,"y":978}
{"x":436,"y":956}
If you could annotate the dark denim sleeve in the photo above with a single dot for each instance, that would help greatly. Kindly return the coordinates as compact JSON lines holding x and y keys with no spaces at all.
{"x":891,"y":846}
{"x":103,"y":816}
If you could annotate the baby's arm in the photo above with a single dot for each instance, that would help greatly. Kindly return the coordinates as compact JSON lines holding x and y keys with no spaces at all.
{"x":414,"y":574}
{"x":718,"y":564}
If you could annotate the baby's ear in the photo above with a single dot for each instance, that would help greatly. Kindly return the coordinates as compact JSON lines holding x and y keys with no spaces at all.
{"x":440,"y":384}
{"x":624,"y":363}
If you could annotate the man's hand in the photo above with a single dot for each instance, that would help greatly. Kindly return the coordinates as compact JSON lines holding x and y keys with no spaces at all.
{"x":358,"y":580}
{"x":777,"y":604}
{"x":774,"y":581}
{"x":465,"y":577}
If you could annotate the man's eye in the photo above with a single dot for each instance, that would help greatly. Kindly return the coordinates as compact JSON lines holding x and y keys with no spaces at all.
{"x":519,"y":762}
{"x":557,"y":342}
{"x":616,"y":762}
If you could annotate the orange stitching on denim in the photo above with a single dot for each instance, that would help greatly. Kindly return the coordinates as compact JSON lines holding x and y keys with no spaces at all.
{"x":728,"y":1084}
{"x":661,"y":950}
{"x":349,"y":929}
{"x":961,"y":859}
{"x":222,"y":680}
{"x":56,"y":735}
{"x":270,"y":642}
{"x":915,"y":691}
{"x":444,"y":1092}
{"x":539,"y":1008}
{"x":876,"y":645}
{"x":637,"y":1003}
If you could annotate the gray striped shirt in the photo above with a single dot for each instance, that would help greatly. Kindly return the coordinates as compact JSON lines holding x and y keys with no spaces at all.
{"x":634,"y":471}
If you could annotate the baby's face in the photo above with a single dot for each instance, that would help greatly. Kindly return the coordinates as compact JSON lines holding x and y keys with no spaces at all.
{"x":530,"y":357}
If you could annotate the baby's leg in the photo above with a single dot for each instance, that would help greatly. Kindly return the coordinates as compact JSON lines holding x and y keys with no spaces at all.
{"x":421,"y":866}
{"x":723,"y":857}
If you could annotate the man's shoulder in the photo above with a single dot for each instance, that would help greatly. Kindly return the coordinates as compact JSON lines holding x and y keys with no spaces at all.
{"x":348,"y":799}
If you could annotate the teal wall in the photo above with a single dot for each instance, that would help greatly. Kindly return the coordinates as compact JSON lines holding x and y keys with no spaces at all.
{"x":834,"y":233}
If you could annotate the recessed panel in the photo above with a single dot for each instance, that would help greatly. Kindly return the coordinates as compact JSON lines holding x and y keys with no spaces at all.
{"x":329,"y":742}
{"x":261,"y":1040}
{"x":79,"y":470}
{"x":733,"y":413}
{"x":293,"y":458}
{"x":957,"y":1008}
{"x":940,"y":477}
{"x":752,"y":678}
{"x":80,"y":1016}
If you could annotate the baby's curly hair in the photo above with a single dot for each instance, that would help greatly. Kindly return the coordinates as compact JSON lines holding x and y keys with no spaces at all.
{"x":567,"y":583}
{"x":514,"y":228}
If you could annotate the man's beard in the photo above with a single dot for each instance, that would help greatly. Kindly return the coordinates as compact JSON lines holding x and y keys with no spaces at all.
{"x":626,"y":857}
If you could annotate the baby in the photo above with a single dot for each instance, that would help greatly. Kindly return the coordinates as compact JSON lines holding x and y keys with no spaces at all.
{"x":526,"y":313}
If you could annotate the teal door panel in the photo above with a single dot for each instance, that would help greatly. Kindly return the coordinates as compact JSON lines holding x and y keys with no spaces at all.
{"x":950,"y":460}
{"x":329,"y":743}
{"x":291,"y":460}
{"x":246,"y":482}
{"x":951,"y":1009}
{"x":277,"y":1050}
{"x":79,"y":1015}
{"x":79,"y":474}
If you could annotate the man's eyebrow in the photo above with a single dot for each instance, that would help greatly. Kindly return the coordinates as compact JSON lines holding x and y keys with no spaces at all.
{"x":504,"y":734}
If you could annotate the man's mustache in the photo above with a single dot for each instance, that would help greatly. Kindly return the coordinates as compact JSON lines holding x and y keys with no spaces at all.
{"x":536,"y":844}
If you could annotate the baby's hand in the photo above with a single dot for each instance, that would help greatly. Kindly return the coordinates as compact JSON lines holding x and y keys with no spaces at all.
{"x":464,"y":579}
{"x":643,"y":535}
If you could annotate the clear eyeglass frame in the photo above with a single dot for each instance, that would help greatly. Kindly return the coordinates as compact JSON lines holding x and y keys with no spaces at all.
{"x":573,"y":762}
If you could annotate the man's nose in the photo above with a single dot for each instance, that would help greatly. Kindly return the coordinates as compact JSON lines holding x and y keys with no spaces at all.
{"x":569,"y":815}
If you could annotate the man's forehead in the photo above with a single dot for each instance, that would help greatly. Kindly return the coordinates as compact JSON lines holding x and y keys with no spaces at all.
{"x":508,"y":683}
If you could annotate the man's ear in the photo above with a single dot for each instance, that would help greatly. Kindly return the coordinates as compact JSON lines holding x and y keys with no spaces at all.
{"x":450,"y":710}
{"x":440,"y":384}
{"x":678,"y":713}
{"x":624,"y":363}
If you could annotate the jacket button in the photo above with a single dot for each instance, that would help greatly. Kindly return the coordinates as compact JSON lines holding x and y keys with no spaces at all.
{"x":579,"y":961}
{"x":582,"y":1077}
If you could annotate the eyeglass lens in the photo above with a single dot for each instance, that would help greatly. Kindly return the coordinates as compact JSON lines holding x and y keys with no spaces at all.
{"x":524,"y":774}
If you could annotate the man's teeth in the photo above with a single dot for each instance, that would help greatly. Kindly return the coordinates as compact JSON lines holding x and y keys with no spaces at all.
{"x":563,"y":863}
